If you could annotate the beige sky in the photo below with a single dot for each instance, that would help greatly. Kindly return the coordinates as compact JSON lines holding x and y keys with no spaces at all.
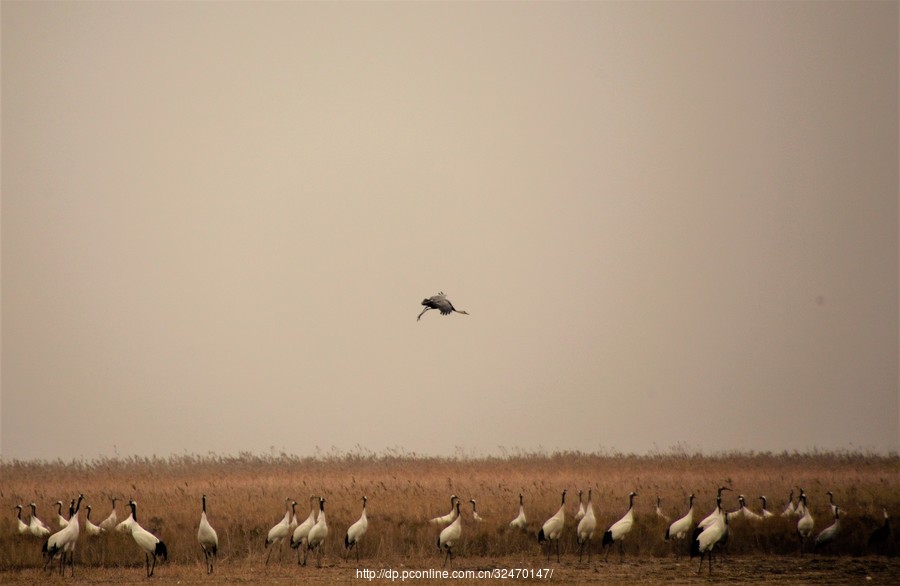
{"x":672,"y":224}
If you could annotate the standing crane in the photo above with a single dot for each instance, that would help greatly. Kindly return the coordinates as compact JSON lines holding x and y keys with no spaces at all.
{"x":441,"y":303}
{"x":280,"y":530}
{"x":746,"y":512}
{"x":553,"y":527}
{"x":90,"y":529}
{"x":790,"y":510}
{"x":450,"y":536}
{"x":64,"y":540}
{"x":109,"y":523}
{"x":520,"y":521}
{"x":830,"y":533}
{"x":301,"y":533}
{"x":711,"y":536}
{"x":659,"y":511}
{"x":317,"y":535}
{"x":22,"y":525}
{"x":149,"y":543}
{"x":679,"y":529}
{"x":586,"y":527}
{"x":449,"y":517}
{"x":805,"y":524}
{"x":581,"y":512}
{"x":475,"y":514}
{"x":37,"y":527}
{"x":356,"y":531}
{"x":766,"y":513}
{"x":62,"y":521}
{"x":618,"y":530}
{"x":209,"y":541}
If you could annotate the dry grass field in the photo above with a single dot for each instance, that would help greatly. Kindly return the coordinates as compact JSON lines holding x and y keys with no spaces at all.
{"x":246,"y":497}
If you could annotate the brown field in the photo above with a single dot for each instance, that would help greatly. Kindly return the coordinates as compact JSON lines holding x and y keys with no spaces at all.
{"x":246,"y":496}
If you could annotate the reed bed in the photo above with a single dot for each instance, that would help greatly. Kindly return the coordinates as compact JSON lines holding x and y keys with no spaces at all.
{"x":246,"y":497}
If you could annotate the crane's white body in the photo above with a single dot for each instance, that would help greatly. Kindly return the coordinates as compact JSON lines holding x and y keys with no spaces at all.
{"x":790,"y":510}
{"x":21,"y":525}
{"x":581,"y":512}
{"x":680,"y":528}
{"x":208,"y":539}
{"x":475,"y":514}
{"x":659,"y":511}
{"x":449,"y":517}
{"x":110,"y":522}
{"x":766,"y":513}
{"x":90,"y":529}
{"x":356,"y":531}
{"x":450,"y":536}
{"x":61,"y":521}
{"x":711,"y":518}
{"x":746,"y":512}
{"x":805,"y":524}
{"x":318,"y":533}
{"x":586,"y":527}
{"x":521,"y":521}
{"x":125,"y":526}
{"x":35,"y":526}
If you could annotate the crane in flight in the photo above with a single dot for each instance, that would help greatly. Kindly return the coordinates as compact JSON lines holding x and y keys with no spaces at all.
{"x":441,"y":303}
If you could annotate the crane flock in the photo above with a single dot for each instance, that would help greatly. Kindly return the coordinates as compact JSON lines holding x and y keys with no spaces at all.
{"x":707,"y":539}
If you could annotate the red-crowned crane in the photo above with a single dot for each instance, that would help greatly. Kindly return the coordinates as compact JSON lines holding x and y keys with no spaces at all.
{"x":209,"y":540}
{"x":618,"y":530}
{"x":552,"y":528}
{"x":441,"y":303}
{"x":357,"y":530}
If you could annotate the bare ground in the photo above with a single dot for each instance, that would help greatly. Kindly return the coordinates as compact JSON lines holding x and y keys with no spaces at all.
{"x":755,"y":569}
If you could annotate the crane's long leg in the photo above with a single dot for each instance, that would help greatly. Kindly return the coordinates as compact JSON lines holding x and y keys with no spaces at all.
{"x":621,"y":551}
{"x":557,"y":550}
{"x":700,"y":569}
{"x":589,"y":549}
{"x":153,"y":567}
{"x":357,"y":553}
{"x":423,"y":313}
{"x":147,"y":557}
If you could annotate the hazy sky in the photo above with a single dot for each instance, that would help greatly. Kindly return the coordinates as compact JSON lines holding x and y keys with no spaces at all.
{"x":671,"y":223}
